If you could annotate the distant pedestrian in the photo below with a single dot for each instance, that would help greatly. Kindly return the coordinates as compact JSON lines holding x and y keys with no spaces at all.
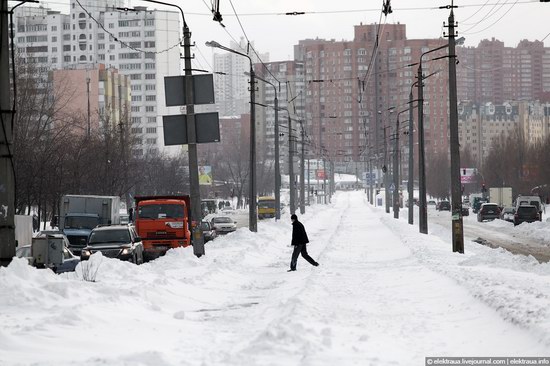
{"x":299,"y":241}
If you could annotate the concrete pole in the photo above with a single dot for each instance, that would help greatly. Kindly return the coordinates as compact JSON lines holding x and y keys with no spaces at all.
{"x":194,"y":189}
{"x":411,"y":161}
{"x":456,"y":195}
{"x":291,"y":169}
{"x":277,"y":162}
{"x":396,"y":171}
{"x":302,"y":172}
{"x":423,"y":212}
{"x":252,"y":206}
{"x":7,"y":194}
{"x":386,"y":174}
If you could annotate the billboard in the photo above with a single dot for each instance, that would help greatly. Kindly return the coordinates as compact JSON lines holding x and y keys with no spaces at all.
{"x":205,"y":175}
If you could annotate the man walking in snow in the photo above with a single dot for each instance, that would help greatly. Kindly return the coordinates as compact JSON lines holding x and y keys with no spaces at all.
{"x":299,"y":241}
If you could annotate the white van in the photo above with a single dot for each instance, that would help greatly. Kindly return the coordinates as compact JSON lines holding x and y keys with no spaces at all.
{"x":530,"y":200}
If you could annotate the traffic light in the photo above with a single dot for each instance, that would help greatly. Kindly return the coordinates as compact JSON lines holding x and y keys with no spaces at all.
{"x":463,"y":171}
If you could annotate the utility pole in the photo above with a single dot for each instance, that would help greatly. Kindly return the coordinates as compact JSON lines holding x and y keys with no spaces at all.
{"x":89,"y":131}
{"x":371,"y":188}
{"x":386,"y":176}
{"x":7,"y":193}
{"x":194,"y":189}
{"x":302,"y":171}
{"x":456,"y":195}
{"x":411,"y":161}
{"x":396,"y":168}
{"x":291,"y":169}
{"x":252,"y":208}
{"x":423,"y":212}
{"x":277,"y":162}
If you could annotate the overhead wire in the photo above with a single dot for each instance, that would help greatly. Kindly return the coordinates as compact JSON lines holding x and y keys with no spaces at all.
{"x":495,"y":22}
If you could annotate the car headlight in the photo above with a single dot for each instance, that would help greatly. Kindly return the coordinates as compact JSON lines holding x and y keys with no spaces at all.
{"x":86,"y":252}
{"x":126,"y":251}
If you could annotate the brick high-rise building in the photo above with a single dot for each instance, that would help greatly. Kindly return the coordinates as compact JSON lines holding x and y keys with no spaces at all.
{"x":494,"y":73}
{"x":348,"y":108}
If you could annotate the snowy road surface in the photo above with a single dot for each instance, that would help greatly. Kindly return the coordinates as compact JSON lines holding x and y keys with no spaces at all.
{"x":383,"y":295}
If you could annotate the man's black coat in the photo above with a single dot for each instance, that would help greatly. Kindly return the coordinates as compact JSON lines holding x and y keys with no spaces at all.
{"x":299,"y":235}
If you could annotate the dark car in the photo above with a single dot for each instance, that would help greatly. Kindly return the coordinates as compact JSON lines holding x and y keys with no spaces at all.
{"x":488,"y":211}
{"x":465,"y":211}
{"x":117,"y":241}
{"x":444,"y":206}
{"x":526,"y":213}
{"x":208,"y":232}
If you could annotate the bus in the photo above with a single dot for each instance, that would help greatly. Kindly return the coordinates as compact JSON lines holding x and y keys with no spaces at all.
{"x":266,"y":207}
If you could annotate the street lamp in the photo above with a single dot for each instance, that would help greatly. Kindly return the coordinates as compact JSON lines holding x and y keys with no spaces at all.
{"x":252,"y":215}
{"x":277,"y":163}
{"x":396,"y":167}
{"x":423,"y":210}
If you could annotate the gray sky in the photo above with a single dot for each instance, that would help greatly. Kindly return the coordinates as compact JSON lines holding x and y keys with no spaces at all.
{"x":507,"y":20}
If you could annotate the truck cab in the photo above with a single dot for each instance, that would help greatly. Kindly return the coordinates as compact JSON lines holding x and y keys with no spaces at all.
{"x":77,"y":227}
{"x":266,"y":207}
{"x":163,"y":223}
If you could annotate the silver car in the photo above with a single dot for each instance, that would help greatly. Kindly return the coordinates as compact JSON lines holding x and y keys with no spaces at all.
{"x":223,"y":225}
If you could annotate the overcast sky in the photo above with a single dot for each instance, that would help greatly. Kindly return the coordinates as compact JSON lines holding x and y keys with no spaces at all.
{"x":506,"y":20}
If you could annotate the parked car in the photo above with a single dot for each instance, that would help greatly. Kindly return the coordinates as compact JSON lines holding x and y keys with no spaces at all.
{"x":526,"y":213}
{"x":223,"y":225}
{"x":531,"y":200}
{"x":431,"y":203}
{"x":465,"y":211}
{"x":208,"y":232}
{"x":444,"y":206}
{"x":488,"y":211}
{"x":70,"y":261}
{"x":507,"y":214}
{"x":116,"y":241}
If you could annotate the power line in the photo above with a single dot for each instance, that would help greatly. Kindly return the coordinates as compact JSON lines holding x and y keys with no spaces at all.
{"x":496,"y":21}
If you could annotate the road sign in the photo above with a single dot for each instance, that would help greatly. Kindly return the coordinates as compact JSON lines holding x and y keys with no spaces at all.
{"x":392,"y":188}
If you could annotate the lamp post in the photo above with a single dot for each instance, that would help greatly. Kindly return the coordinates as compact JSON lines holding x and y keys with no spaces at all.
{"x":277,"y":163}
{"x":252,"y":214}
{"x":423,"y":216}
{"x":410,"y":186}
{"x":396,"y":168}
{"x":423,"y":209}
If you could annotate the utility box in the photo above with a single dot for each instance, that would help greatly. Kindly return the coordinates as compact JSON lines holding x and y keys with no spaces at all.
{"x":48,"y":251}
{"x":39,"y":251}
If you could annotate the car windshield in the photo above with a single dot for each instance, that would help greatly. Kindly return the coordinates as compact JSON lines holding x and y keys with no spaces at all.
{"x":509,"y":210}
{"x":205,"y":226}
{"x":222,"y":220}
{"x":161,"y":211}
{"x":527,"y":209}
{"x":109,"y":236}
{"x":489,"y":207}
{"x":81,"y":222}
{"x":266,"y":204}
{"x":23,"y":252}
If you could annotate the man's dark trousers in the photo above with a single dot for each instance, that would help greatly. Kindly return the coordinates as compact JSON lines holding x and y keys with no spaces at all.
{"x":300,"y":249}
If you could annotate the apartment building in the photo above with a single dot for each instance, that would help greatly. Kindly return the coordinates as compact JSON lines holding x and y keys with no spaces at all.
{"x":492,"y":72}
{"x":481,"y":126}
{"x":93,"y":98}
{"x":284,"y":79}
{"x":232,"y":88}
{"x":352,"y":112}
{"x":142,"y":44}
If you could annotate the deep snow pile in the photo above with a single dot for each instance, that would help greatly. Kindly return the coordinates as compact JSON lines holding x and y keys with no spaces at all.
{"x":383,"y":294}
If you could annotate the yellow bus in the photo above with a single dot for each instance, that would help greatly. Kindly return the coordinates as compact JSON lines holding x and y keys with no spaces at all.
{"x":266,"y":207}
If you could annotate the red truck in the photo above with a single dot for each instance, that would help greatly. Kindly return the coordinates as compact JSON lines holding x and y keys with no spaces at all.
{"x":162,"y":222}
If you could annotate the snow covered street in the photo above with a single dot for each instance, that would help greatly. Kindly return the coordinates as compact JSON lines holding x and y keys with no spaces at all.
{"x":383,"y":295}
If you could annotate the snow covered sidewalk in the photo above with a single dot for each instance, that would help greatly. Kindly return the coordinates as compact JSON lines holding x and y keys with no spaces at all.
{"x":382,"y":295}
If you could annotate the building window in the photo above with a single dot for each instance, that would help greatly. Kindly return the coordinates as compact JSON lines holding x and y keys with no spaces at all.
{"x":149,"y":108}
{"x":151,"y":130}
{"x":150,"y":98}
